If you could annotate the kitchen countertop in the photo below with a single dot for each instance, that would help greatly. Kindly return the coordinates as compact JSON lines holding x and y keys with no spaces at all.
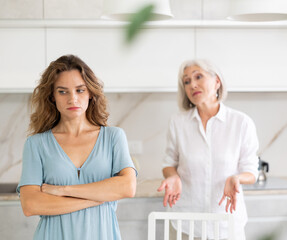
{"x":148,"y":189}
{"x":9,"y":197}
{"x":273,"y":185}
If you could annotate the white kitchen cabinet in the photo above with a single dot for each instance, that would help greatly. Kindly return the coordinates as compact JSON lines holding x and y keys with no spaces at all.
{"x":267,"y":213}
{"x":13,"y":224}
{"x":22,"y":58}
{"x":251,"y":56}
{"x":250,"y":59}
{"x":149,"y":63}
{"x":133,"y":217}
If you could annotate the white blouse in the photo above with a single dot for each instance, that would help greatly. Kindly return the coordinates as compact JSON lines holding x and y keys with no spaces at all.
{"x":204,"y":160}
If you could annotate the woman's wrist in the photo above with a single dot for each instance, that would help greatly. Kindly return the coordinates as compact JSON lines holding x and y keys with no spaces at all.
{"x":246,"y":178}
{"x":65,"y":190}
{"x":236,"y":177}
{"x":175,"y":176}
{"x":169,"y":172}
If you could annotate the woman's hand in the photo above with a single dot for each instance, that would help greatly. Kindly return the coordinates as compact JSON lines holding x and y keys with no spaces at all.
{"x":230,"y":190}
{"x":173,"y":187}
{"x":52,"y":189}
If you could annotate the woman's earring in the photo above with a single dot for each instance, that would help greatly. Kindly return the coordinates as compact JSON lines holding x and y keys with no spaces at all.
{"x":217,"y":94}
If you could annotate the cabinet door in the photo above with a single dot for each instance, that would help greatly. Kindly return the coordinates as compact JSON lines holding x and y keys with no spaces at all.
{"x":250,"y":59}
{"x":22,"y":58}
{"x":267,"y":214}
{"x":151,"y":62}
{"x":13,"y":224}
{"x":135,"y":226}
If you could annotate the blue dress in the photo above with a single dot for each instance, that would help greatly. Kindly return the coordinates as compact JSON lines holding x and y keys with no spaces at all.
{"x":44,"y":161}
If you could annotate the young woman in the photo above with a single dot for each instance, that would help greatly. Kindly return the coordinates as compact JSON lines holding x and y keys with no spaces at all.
{"x":211,"y":150}
{"x":75,"y":168}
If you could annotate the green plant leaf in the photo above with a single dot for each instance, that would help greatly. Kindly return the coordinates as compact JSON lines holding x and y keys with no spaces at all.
{"x":136,"y":21}
{"x":271,"y":236}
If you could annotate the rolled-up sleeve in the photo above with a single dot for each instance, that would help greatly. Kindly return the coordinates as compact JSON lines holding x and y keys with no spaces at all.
{"x":248,"y":161}
{"x":171,"y":153}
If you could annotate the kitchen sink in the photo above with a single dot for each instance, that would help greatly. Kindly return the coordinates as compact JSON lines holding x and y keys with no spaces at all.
{"x":8,"y":188}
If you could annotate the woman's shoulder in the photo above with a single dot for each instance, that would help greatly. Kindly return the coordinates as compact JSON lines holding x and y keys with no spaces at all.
{"x":234,"y":114}
{"x":113,"y":135}
{"x":38,"y":137}
{"x":113,"y":131}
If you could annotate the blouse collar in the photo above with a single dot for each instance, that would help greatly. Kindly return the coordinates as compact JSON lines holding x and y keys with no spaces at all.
{"x":221,"y":115}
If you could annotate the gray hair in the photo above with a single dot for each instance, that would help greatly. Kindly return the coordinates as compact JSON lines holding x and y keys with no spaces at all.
{"x":183,"y":101}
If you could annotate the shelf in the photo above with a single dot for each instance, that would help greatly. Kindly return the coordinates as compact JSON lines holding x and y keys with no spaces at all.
{"x":98,"y":23}
{"x":153,"y":90}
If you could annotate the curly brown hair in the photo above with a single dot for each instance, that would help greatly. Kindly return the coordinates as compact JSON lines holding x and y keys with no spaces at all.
{"x":45,"y":114}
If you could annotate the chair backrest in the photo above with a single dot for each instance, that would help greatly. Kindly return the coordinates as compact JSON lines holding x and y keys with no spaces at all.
{"x":216,"y":218}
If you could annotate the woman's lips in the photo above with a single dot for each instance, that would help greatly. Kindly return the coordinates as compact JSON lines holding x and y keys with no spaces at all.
{"x":196,"y":93}
{"x":73,"y":108}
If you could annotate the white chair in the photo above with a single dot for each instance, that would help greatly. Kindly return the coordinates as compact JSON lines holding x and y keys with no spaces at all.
{"x":191,"y":217}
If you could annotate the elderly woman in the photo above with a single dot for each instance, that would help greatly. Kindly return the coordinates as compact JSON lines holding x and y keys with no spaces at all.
{"x":211,"y":151}
{"x":75,"y":168}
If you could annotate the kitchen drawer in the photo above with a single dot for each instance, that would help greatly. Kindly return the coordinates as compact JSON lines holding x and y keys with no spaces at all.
{"x":138,"y":208}
{"x":263,"y":227}
{"x":266,"y":205}
{"x":13,"y":224}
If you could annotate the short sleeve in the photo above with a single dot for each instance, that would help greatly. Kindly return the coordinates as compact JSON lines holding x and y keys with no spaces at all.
{"x":32,"y":173}
{"x":171,"y":152}
{"x":121,"y":154}
{"x":248,"y":161}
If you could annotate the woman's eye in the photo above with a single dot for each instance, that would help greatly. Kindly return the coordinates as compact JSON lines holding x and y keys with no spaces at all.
{"x":198,"y":76}
{"x":80,"y":90}
{"x":186,"y":82}
{"x":62,"y":92}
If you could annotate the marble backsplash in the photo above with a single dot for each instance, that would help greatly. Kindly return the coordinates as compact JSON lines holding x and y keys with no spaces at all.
{"x":144,"y":117}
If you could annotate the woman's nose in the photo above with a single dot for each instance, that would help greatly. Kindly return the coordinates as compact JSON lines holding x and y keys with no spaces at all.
{"x":193,"y":84}
{"x":73,"y":98}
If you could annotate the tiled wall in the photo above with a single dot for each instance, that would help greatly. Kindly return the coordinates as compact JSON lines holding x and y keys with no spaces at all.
{"x":144,"y":117}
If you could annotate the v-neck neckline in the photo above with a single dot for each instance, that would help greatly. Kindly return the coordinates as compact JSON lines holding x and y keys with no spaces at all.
{"x":66,"y":155}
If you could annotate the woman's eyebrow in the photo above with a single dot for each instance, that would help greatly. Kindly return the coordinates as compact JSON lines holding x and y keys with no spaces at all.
{"x":82,"y":85}
{"x":61,"y":87}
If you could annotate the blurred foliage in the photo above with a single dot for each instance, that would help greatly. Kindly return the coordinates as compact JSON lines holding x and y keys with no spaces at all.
{"x":137,"y":20}
{"x":271,"y":236}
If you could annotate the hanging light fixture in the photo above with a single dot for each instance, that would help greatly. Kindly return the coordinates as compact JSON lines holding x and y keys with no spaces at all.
{"x":258,"y":10}
{"x":123,"y":9}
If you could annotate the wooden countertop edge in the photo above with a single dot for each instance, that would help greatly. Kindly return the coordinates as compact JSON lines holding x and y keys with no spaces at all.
{"x":9,"y":197}
{"x":14,"y":197}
